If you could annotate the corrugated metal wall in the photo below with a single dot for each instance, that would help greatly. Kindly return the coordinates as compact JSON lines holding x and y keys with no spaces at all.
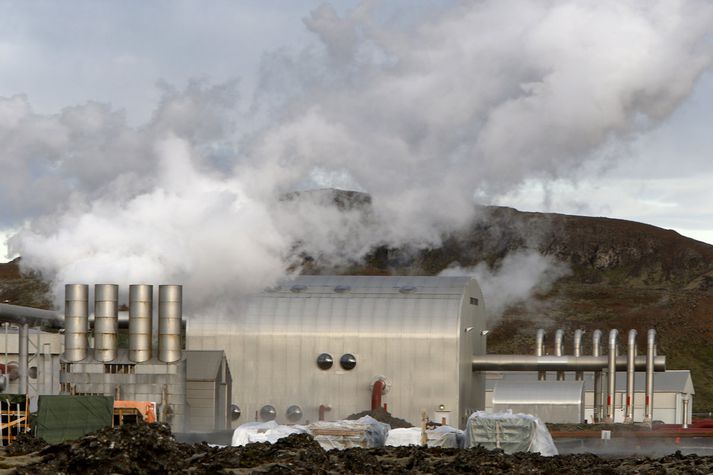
{"x":417,"y":332}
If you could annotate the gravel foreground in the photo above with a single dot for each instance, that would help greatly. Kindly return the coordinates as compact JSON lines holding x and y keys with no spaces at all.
{"x":150,"y":448}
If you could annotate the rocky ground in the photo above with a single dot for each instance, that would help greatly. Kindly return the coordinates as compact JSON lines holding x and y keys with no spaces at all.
{"x":149,"y":449}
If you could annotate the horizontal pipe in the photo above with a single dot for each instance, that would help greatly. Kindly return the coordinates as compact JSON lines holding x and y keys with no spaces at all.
{"x":32,"y":316}
{"x":558,"y":363}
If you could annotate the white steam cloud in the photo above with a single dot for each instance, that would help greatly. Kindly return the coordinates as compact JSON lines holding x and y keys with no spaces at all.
{"x":515,"y":280}
{"x":425,"y":117}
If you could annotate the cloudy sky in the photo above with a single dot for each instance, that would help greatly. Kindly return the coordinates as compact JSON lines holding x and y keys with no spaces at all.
{"x":110,"y":111}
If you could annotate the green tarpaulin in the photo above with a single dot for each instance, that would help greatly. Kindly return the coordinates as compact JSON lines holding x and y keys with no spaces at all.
{"x":61,"y":418}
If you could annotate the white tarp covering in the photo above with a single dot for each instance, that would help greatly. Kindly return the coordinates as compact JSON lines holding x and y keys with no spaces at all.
{"x":510,"y":432}
{"x":443,"y":436}
{"x":365,"y":432}
{"x":263,"y":432}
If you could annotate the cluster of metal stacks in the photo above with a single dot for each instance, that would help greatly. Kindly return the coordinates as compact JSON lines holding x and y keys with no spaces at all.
{"x":106,"y":322}
{"x":596,"y":362}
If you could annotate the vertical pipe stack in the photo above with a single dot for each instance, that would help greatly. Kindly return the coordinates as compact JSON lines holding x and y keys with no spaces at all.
{"x":597,"y":415}
{"x":650,"y":353}
{"x":559,"y":347}
{"x":140,"y":322}
{"x":24,"y":336}
{"x":611,"y":373}
{"x":579,"y":375}
{"x":76,"y":321}
{"x":630,"y":362}
{"x":540,"y":351}
{"x":106,"y":321}
{"x":170,"y":312}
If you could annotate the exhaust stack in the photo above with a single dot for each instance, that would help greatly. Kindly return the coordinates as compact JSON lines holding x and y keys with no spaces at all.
{"x":170,"y":312}
{"x":579,"y":375}
{"x":76,"y":322}
{"x":140,"y":322}
{"x":630,"y":362}
{"x":540,"y":351}
{"x":611,"y":386}
{"x":650,"y":353}
{"x":559,"y":348}
{"x":596,"y":351}
{"x":106,"y":321}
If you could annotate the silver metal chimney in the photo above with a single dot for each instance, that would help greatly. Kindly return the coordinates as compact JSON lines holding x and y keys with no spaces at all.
{"x":650,"y":353}
{"x":170,"y":312}
{"x":559,"y":348}
{"x":611,"y":386}
{"x":597,"y":351}
{"x":76,"y":321}
{"x":106,"y":321}
{"x":540,"y":351}
{"x":579,"y":375}
{"x":140,"y":322}
{"x":630,"y":362}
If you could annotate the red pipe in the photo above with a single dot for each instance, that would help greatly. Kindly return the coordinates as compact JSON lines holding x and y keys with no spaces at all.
{"x":322,"y":410}
{"x":376,"y":392}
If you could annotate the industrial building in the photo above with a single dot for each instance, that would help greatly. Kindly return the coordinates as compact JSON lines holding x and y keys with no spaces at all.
{"x":322,"y":348}
{"x":671,"y":389}
{"x":317,"y":346}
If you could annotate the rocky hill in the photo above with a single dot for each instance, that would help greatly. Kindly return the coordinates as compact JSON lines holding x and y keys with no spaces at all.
{"x":622,"y":275}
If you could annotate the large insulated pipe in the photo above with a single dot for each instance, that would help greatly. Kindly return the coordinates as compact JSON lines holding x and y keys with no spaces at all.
{"x":106,"y":323}
{"x":76,"y":322}
{"x":630,"y":362}
{"x":558,"y":363}
{"x":579,"y":376}
{"x":650,"y":352}
{"x":170,"y":312}
{"x":140,"y":322}
{"x":18,"y":314}
{"x":540,"y":351}
{"x":559,"y":350}
{"x":597,"y":351}
{"x":23,"y":344}
{"x":611,"y":373}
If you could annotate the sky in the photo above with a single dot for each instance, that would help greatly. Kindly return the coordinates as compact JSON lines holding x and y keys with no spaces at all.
{"x":148,"y":120}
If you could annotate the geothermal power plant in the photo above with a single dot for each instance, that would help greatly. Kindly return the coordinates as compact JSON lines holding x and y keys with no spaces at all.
{"x":325,"y":347}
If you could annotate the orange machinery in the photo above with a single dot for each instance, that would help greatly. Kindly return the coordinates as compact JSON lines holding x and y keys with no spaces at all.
{"x":130,"y":411}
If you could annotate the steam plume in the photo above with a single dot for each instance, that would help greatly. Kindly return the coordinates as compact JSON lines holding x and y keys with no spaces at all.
{"x":424,"y":117}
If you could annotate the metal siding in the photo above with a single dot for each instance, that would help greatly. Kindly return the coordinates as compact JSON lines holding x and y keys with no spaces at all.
{"x":411,"y":338}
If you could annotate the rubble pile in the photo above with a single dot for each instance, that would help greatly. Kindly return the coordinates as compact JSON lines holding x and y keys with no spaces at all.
{"x":25,"y":444}
{"x":149,"y":449}
{"x":382,"y":415}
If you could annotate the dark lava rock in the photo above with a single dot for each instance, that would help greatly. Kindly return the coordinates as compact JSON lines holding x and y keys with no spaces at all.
{"x":382,"y":415}
{"x":151,"y":449}
{"x":25,"y":443}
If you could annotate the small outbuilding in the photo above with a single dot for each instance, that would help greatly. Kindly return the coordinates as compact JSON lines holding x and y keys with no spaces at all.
{"x":552,"y":401}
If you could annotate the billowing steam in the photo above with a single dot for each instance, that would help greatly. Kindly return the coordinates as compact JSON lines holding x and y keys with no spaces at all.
{"x":426,"y":117}
{"x":514,"y":280}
